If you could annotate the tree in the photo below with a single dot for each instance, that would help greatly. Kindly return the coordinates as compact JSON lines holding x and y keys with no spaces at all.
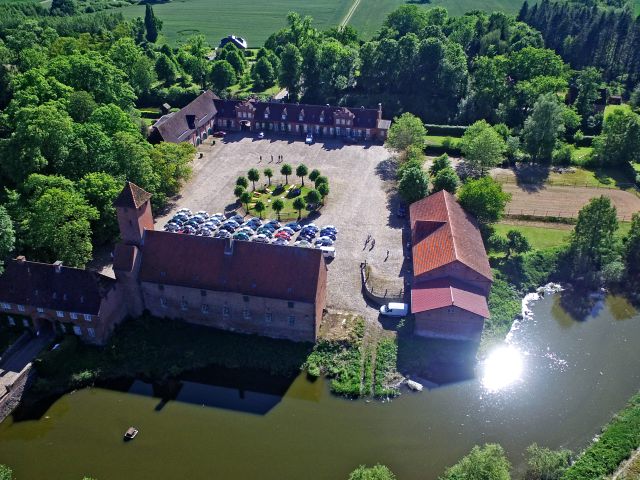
{"x":483,"y":148}
{"x":301,"y":171}
{"x":62,"y":7}
{"x":172,"y":164}
{"x":377,"y":472}
{"x":543,"y":127}
{"x":246,"y":199}
{"x":166,"y":69}
{"x":299,"y":204}
{"x":446,"y":179}
{"x":406,"y":131}
{"x":277,"y":206}
{"x":314,"y":197}
{"x":242,"y":181}
{"x":238,"y":191}
{"x":286,"y":170}
{"x":320,"y":180}
{"x":315,"y":173}
{"x":7,"y":240}
{"x":5,"y":473}
{"x":546,"y":464}
{"x":482,"y":463}
{"x":222,"y":75}
{"x":323,"y":190}
{"x":484,"y":199}
{"x":439,"y":163}
{"x":259,"y":207}
{"x":290,"y":69}
{"x":588,"y":83}
{"x":152,"y":24}
{"x":268,"y":173}
{"x":517,"y":243}
{"x":58,"y":227}
{"x":81,"y":105}
{"x":619,"y":142}
{"x":263,"y":74}
{"x":632,"y":247}
{"x":100,"y":190}
{"x":593,"y":242}
{"x":414,"y":185}
{"x":254,"y":176}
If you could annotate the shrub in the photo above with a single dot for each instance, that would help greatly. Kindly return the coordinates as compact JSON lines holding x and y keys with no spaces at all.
{"x":563,"y":155}
{"x":546,"y":464}
{"x":377,"y":472}
{"x":482,"y":463}
{"x":386,"y":361}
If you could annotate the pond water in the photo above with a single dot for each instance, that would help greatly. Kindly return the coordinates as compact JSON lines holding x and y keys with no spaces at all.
{"x":556,"y":383}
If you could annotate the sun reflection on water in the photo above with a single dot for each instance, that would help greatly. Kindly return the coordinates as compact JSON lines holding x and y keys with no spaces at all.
{"x":502,"y":368}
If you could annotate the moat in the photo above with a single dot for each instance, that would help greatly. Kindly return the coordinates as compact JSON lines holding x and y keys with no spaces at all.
{"x":556,"y":384}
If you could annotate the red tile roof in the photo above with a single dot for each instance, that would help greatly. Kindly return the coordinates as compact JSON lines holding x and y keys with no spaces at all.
{"x":271,"y":271}
{"x":178,"y":126}
{"x":131,"y":196}
{"x":447,"y":292}
{"x":442,"y":233}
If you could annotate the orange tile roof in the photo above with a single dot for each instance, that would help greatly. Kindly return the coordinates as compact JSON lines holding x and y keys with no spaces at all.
{"x":448,"y":292}
{"x":443,"y":233}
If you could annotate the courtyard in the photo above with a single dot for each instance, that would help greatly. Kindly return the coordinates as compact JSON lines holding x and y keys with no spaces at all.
{"x":361,"y":202}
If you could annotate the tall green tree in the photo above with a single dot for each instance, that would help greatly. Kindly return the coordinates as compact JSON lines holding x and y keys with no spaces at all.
{"x":632,"y":247}
{"x":263,"y":74}
{"x":483,"y":148}
{"x":260,"y":207}
{"x":290,"y":72}
{"x":488,"y":462}
{"x":222,"y":75}
{"x":152,"y":24}
{"x":268,"y":173}
{"x":484,"y":199}
{"x":100,"y":190}
{"x":7,"y":236}
{"x":517,"y":243}
{"x":446,"y":179}
{"x":299,"y":204}
{"x":413,"y":185}
{"x":619,"y":142}
{"x":588,"y":83}
{"x":543,"y":128}
{"x":302,"y":171}
{"x":246,"y":199}
{"x":63,"y":7}
{"x":286,"y":170}
{"x":277,"y":206}
{"x":253,"y":175}
{"x":406,"y":131}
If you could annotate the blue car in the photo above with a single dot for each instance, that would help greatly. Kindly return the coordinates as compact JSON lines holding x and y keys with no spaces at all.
{"x":295,"y":226}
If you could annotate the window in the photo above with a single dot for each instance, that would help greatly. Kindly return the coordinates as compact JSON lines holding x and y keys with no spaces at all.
{"x":266,"y":115}
{"x":245,"y":298}
{"x":25,"y":323}
{"x":300,"y":117}
{"x":91,"y":332}
{"x":59,"y":314}
{"x":246,"y":313}
{"x":6,"y":306}
{"x":74,"y":316}
{"x":183,"y":304}
{"x":163,"y":302}
{"x":290,"y":304}
{"x":21,"y":308}
{"x":12,"y":322}
{"x":268,"y":317}
{"x":226,"y":311}
{"x":292,"y":320}
{"x":40,"y":310}
{"x":204,"y":308}
{"x":87,"y":317}
{"x":284,"y":116}
{"x":77,"y":330}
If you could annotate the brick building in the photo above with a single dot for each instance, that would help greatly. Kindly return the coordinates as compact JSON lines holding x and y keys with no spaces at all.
{"x":199,"y":118}
{"x":276,"y":291}
{"x":451,"y":272}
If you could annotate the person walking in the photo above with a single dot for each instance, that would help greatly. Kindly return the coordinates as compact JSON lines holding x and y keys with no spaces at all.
{"x":387,"y":257}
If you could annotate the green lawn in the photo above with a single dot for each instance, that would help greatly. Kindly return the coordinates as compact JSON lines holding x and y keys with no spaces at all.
{"x":437,"y":140}
{"x":610,"y":108}
{"x":273,"y":192}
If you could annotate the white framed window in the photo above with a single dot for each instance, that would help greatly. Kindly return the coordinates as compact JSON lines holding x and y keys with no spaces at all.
{"x":163,"y":302}
{"x":12,"y":321}
{"x":91,"y":332}
{"x":268,"y":317}
{"x":292,"y":320}
{"x":246,"y":313}
{"x":87,"y":317}
{"x":21,"y":308}
{"x":77,"y":330}
{"x":73,"y":316}
{"x":6,"y":306}
{"x":204,"y":308}
{"x":40,"y":310}
{"x":59,"y":314}
{"x":25,"y":323}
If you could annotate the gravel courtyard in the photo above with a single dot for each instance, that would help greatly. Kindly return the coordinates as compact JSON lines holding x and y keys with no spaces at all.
{"x":361,"y":201}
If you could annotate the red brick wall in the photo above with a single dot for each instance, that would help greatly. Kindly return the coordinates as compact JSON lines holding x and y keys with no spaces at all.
{"x":133,"y":222}
{"x":450,"y":322}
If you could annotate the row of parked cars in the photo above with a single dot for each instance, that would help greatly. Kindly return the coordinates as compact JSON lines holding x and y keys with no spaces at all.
{"x":254,"y":229}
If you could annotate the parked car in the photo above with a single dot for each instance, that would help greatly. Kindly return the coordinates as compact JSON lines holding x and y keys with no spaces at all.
{"x":309,"y":139}
{"x":349,"y":139}
{"x":203,"y":214}
{"x":262,"y":238}
{"x":280,"y":241}
{"x":171,"y":227}
{"x":185,"y":211}
{"x":324,"y":241}
{"x":236,"y":218}
{"x":190,"y":230}
{"x":205,"y":232}
{"x":261,"y":135}
{"x":219,"y":133}
{"x":328,"y":252}
{"x":295,"y":226}
{"x":241,"y":236}
{"x":222,"y":234}
{"x":394,"y":309}
{"x":303,"y":243}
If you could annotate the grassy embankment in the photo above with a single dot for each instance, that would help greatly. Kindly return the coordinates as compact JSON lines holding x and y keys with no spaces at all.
{"x":616,"y":443}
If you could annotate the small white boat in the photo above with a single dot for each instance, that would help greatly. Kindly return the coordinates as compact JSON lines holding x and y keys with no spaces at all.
{"x":130,"y":434}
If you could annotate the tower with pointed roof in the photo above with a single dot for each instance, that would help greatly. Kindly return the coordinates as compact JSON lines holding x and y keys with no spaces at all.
{"x":133,"y":208}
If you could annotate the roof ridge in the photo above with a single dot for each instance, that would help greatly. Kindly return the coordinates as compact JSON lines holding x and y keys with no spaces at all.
{"x":450,"y":223}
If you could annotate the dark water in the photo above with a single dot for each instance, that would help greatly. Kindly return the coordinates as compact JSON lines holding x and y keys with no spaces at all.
{"x":573,"y":377}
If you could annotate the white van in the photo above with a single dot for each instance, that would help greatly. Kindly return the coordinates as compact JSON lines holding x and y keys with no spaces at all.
{"x":394,"y":309}
{"x":328,"y":252}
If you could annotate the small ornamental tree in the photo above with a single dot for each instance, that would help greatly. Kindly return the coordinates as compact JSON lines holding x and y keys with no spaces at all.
{"x":439,"y":163}
{"x":482,"y":463}
{"x":302,"y":171}
{"x":254,"y":176}
{"x":277,"y":206}
{"x":323,"y":190}
{"x":259,"y":207}
{"x":245,"y":198}
{"x":242,"y":181}
{"x":517,"y":243}
{"x":299,"y":204}
{"x":321,"y":179}
{"x":314,"y":196}
{"x":484,"y":199}
{"x":406,"y":131}
{"x":238,"y":191}
{"x":446,"y":179}
{"x":414,"y":185}
{"x":286,"y":170}
{"x":268,"y":173}
{"x":315,"y":173}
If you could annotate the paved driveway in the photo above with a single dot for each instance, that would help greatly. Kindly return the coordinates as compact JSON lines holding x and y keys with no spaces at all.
{"x":361,"y":201}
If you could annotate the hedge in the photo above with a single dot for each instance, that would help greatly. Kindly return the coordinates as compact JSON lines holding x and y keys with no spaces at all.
{"x":446,"y":130}
{"x":618,"y":440}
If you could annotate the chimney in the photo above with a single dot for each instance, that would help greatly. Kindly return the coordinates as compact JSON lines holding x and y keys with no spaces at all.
{"x":58,"y":266}
{"x":21,"y":259}
{"x":228,"y":246}
{"x":380,"y":111}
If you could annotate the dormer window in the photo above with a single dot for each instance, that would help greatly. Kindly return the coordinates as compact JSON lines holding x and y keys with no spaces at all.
{"x":301,"y":116}
{"x":322,"y":117}
{"x":266,"y":113}
{"x":284,"y":116}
